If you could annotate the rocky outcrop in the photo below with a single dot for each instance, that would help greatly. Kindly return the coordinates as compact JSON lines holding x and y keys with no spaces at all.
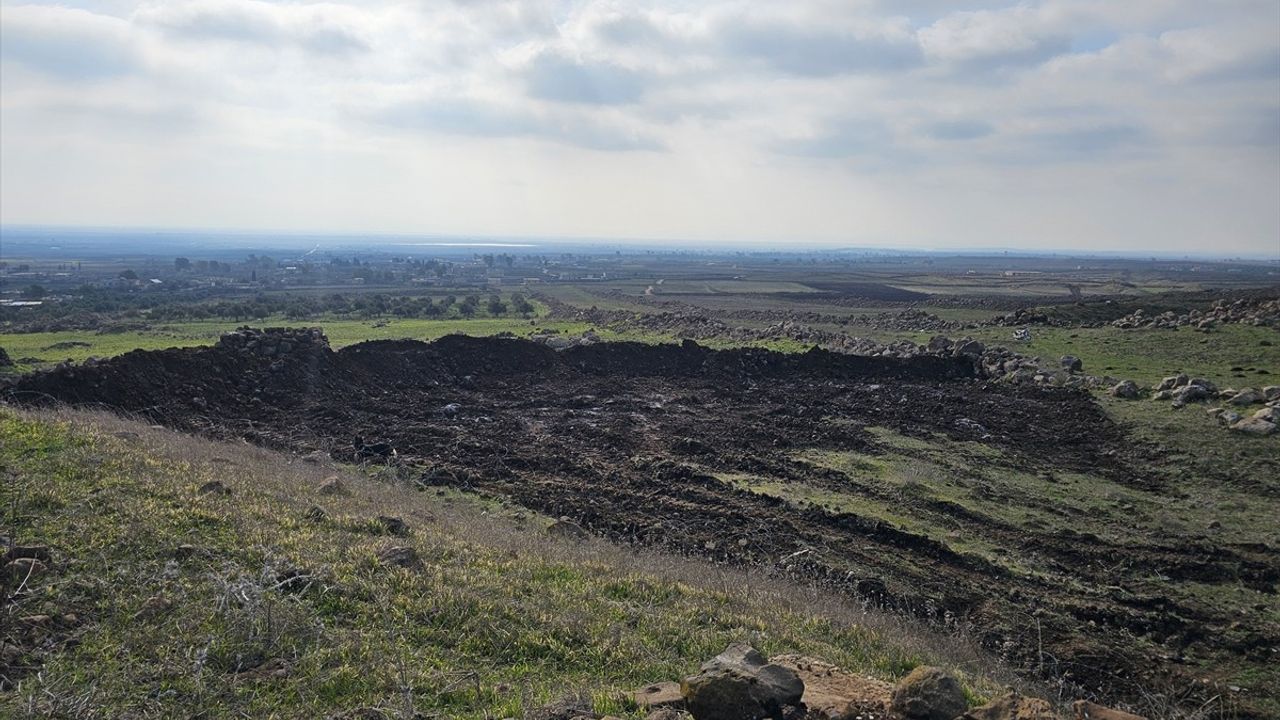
{"x":740,"y":684}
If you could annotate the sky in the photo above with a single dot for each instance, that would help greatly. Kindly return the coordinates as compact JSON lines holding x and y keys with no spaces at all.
{"x":1145,"y":125}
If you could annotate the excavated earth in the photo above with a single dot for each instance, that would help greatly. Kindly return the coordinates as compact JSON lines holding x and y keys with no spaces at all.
{"x":626,"y":439}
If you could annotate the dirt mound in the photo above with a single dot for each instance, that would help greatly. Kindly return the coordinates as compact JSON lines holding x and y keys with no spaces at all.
{"x":636,"y":441}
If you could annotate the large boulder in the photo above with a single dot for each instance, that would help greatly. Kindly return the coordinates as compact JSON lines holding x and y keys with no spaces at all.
{"x":1171,"y":382}
{"x":929,"y":693}
{"x":739,"y":684}
{"x":1013,"y":707}
{"x":1191,"y":393}
{"x":831,"y":693}
{"x":1071,"y":363}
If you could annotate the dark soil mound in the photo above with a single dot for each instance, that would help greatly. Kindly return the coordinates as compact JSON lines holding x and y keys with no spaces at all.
{"x":633,"y":441}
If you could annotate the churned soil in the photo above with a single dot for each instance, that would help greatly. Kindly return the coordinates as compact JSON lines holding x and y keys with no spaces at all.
{"x":628,"y":439}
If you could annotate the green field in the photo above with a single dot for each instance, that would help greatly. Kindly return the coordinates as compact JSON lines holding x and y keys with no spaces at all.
{"x":1146,"y":356}
{"x":206,"y":332}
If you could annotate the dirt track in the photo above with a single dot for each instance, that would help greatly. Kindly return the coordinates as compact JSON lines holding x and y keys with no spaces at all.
{"x":626,"y":439}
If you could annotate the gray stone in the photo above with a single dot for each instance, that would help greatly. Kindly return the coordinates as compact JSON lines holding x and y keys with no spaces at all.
{"x":1247,"y":396}
{"x":1126,"y":389}
{"x":1254,"y":426}
{"x":1071,"y":363}
{"x":929,"y":693}
{"x":739,"y":684}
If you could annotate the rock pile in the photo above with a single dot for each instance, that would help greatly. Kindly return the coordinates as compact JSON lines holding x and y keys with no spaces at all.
{"x":741,"y":684}
{"x":1182,"y":390}
{"x":1264,"y":312}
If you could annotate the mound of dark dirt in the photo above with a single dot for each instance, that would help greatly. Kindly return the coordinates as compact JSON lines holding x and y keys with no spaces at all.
{"x":633,"y":441}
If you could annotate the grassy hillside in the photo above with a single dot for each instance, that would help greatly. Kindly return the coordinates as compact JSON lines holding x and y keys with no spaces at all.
{"x":272,"y":599}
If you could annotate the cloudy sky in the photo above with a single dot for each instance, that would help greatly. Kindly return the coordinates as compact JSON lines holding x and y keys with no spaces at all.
{"x":1091,"y":124}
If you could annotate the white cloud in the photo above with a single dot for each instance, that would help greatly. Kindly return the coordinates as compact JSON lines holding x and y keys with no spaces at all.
{"x":914,"y":122}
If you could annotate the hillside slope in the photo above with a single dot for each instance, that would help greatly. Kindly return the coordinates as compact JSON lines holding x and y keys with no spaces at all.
{"x":186,"y":577}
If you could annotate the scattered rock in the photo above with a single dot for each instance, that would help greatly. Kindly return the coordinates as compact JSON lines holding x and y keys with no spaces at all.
{"x":1126,"y":389}
{"x":1254,"y":426}
{"x":929,"y":693}
{"x":1013,"y":707}
{"x":834,"y":694}
{"x":1071,"y":363}
{"x":315,"y":513}
{"x":739,"y":684}
{"x":1269,"y":414}
{"x":333,"y":485}
{"x":400,"y":556}
{"x":393,"y":525}
{"x":1086,"y":710}
{"x":5,"y":361}
{"x":20,"y":570}
{"x":1247,"y":396}
{"x":1172,"y":382}
{"x":316,"y":457}
{"x":659,"y":695}
{"x":214,"y":487}
{"x":10,"y":654}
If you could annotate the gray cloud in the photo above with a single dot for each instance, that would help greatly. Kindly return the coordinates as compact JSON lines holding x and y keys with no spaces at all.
{"x":1086,"y":143}
{"x":815,"y":51}
{"x":467,"y":117}
{"x":958,"y":129}
{"x":255,"y":23}
{"x":552,"y":77}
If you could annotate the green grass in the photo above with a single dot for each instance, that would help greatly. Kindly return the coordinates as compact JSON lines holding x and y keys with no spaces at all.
{"x":177,"y":600}
{"x":341,"y":332}
{"x":1146,"y":356}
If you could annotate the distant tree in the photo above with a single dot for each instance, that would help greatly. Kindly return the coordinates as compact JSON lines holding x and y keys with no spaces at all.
{"x":181,"y":264}
{"x":520,"y":305}
{"x":129,"y":275}
{"x":496,"y":307}
{"x":34,"y":292}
